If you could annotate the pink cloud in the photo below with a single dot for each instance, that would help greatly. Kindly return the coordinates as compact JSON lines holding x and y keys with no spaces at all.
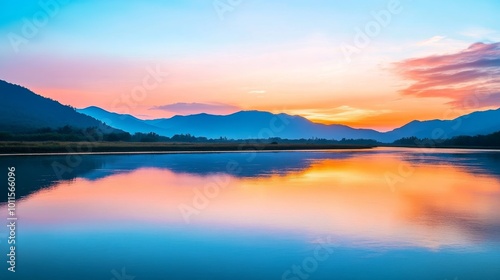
{"x":194,"y":108}
{"x":470,"y":73}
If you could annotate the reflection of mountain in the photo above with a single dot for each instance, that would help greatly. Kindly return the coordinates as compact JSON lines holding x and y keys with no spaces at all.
{"x":339,"y":193}
{"x":466,"y":204}
{"x":35,"y":173}
{"x":477,"y":162}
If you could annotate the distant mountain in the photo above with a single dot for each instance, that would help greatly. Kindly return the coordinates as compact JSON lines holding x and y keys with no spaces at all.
{"x":124,"y":122}
{"x":240,"y":125}
{"x":258,"y":124}
{"x":22,"y":110}
{"x":481,"y":122}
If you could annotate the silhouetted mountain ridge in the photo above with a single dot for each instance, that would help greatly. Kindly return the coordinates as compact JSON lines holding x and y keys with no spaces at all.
{"x":124,"y":122}
{"x":240,"y":125}
{"x":261,"y":124}
{"x":23,"y":110}
{"x":476,"y":123}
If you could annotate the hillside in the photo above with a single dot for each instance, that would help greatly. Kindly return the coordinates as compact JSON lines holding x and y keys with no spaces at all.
{"x":124,"y":122}
{"x":481,"y":122}
{"x":23,"y":110}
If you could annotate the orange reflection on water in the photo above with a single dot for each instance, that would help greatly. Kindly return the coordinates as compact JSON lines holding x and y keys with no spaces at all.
{"x":438,"y":205}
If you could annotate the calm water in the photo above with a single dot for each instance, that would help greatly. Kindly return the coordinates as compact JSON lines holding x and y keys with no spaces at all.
{"x":377,"y":214}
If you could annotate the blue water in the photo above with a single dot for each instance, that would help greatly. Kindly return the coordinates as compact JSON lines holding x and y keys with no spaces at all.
{"x":331,"y":215}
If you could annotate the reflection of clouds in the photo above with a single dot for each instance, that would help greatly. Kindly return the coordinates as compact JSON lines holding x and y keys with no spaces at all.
{"x":476,"y":227}
{"x":461,"y":201}
{"x":466,"y":214}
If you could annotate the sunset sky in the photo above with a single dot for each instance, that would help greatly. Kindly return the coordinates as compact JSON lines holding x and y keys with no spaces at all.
{"x":378,"y":65}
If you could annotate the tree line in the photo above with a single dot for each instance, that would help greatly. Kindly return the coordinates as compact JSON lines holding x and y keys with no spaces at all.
{"x":69,"y":133}
{"x":73,"y":134}
{"x":489,"y":140}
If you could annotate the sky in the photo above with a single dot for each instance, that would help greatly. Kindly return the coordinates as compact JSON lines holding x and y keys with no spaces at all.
{"x":372,"y":64}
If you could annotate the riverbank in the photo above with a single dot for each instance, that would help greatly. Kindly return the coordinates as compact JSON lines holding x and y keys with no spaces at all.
{"x":43,"y":147}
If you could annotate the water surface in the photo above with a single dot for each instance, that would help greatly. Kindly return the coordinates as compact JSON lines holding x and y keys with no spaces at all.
{"x":352,"y":214}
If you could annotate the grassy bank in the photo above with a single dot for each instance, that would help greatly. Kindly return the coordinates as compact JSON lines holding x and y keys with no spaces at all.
{"x":10,"y":147}
{"x":472,"y":147}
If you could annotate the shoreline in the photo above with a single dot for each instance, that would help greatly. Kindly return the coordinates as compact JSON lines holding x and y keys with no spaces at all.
{"x":9,"y":148}
{"x":441,"y":147}
{"x":68,"y":148}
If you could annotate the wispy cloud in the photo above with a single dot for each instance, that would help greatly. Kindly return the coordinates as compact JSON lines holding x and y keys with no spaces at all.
{"x":341,"y":114}
{"x":480,"y":33}
{"x":182,"y":108}
{"x":259,"y":91}
{"x":460,"y":76}
{"x":431,"y":40}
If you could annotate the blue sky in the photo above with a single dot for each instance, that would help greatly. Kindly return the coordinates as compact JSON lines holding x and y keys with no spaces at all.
{"x":289,"y":50}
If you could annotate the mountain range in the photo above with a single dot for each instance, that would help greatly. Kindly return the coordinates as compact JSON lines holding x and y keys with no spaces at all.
{"x":23,"y":110}
{"x":259,"y":124}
